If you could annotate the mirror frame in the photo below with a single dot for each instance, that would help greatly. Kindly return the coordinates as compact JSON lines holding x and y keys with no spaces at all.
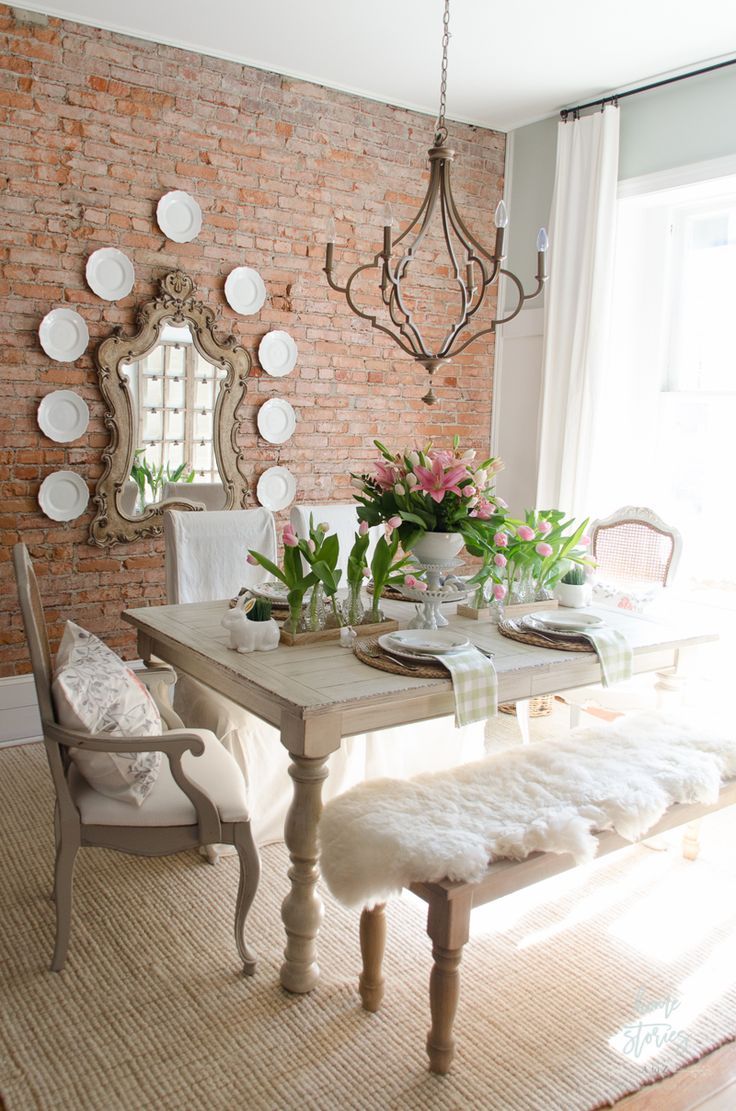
{"x":177,"y":305}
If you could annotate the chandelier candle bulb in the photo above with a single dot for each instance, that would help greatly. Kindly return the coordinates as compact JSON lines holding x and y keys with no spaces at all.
{"x":542,"y":247}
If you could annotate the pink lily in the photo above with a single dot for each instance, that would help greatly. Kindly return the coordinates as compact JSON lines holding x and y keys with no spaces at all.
{"x":437,"y":481}
{"x":386,"y":476}
{"x":394,"y":522}
{"x":363,"y":528}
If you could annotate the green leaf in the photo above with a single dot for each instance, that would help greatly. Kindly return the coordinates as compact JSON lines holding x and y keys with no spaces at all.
{"x":269,"y":566}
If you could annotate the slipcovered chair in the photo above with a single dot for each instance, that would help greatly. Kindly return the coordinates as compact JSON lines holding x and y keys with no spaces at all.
{"x":192,"y":538}
{"x":342,"y":519}
{"x":196,"y":798}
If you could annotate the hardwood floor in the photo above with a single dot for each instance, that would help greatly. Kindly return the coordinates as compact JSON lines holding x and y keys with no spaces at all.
{"x":707,"y":1085}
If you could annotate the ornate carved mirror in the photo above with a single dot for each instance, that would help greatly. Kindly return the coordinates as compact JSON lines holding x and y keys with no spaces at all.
{"x":171,"y":392}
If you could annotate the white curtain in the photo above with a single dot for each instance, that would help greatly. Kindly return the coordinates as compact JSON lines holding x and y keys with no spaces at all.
{"x":577,"y":309}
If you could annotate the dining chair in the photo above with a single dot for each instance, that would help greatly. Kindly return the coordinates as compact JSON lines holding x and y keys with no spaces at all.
{"x":633,"y":548}
{"x":198,"y":797}
{"x":209,"y":494}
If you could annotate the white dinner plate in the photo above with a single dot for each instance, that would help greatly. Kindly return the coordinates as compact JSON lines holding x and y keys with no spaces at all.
{"x":424,"y":642}
{"x":63,"y":335}
{"x":276,"y":488}
{"x":277,"y":354}
{"x":276,"y":420}
{"x":179,"y":216}
{"x":552,"y":619}
{"x":110,"y":274}
{"x":63,"y":416}
{"x":245,"y":291}
{"x":63,"y":495}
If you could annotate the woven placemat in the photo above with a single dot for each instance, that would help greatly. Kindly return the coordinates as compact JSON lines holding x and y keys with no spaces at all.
{"x":514,"y":630}
{"x":370,"y":652}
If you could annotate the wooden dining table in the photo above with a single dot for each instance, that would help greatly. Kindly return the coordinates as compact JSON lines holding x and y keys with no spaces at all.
{"x":320,"y":693}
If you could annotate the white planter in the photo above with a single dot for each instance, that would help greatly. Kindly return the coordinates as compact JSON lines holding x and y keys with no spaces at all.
{"x":572,"y":596}
{"x":250,"y":636}
{"x":433,"y":546}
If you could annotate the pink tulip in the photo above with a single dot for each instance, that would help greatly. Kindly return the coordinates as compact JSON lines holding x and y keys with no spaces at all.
{"x":311,"y":545}
{"x":544,"y":550}
{"x":499,"y":592}
{"x":410,"y":580}
{"x":500,"y":560}
{"x":544,"y":527}
{"x":393,"y":522}
{"x":525,"y":533}
{"x":419,"y":585}
{"x":501,"y":539}
{"x":363,"y":528}
{"x":251,"y":559}
{"x":290,"y":539}
{"x":365,"y":573}
{"x":469,"y":491}
{"x":584,"y":541}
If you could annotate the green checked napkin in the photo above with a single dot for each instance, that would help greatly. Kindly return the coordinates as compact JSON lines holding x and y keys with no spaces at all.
{"x":614,"y":653}
{"x":474,"y":683}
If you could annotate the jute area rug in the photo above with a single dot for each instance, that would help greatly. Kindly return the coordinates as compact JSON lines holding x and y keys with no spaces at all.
{"x":574,"y":992}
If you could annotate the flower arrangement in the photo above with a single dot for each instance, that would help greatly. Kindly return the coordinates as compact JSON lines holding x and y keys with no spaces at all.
{"x":431,"y":490}
{"x":528,"y":558}
{"x":386,"y":567}
{"x":320,"y":553}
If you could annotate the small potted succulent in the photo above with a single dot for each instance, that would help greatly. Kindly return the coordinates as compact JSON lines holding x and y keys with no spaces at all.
{"x":573,"y":590}
{"x":252,"y":629}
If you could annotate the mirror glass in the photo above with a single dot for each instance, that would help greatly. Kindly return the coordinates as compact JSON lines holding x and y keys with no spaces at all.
{"x":173,"y":391}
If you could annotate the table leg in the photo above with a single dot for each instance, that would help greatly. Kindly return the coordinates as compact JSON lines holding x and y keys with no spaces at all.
{"x":302,"y":910}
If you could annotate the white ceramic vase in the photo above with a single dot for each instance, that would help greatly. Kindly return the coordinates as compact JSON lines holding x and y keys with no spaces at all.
{"x":432,"y":547}
{"x":573,"y":596}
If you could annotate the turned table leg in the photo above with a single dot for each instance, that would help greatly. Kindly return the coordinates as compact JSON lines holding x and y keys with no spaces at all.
{"x":372,"y":946}
{"x":301,"y":910}
{"x":691,"y":840}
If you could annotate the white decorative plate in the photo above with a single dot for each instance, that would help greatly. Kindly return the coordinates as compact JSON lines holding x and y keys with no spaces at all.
{"x":244,"y":290}
{"x":423,"y":642}
{"x":179,"y":216}
{"x":63,"y":335}
{"x":277,"y":354}
{"x":63,"y":416}
{"x":110,"y":274}
{"x":551,"y":619}
{"x":276,"y":420}
{"x":276,"y":488}
{"x":63,"y":496}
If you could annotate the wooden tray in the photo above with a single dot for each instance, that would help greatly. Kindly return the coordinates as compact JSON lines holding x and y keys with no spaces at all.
{"x":295,"y":640}
{"x":511,"y":612}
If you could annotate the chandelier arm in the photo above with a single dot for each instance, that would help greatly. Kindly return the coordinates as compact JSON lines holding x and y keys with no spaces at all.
{"x":427,"y":208}
{"x":372,"y":319}
{"x":333,"y":284}
{"x":467,"y":236}
{"x":420,"y":213}
{"x":471,"y":339}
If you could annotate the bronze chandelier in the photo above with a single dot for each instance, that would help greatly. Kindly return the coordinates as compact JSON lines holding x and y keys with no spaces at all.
{"x":474,"y":268}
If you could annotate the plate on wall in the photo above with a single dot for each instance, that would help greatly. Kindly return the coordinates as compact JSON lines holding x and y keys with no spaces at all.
{"x":110,"y":274}
{"x":277,"y":354}
{"x":63,"y":495}
{"x":63,"y":335}
{"x":276,"y":420}
{"x":179,"y":216}
{"x":245,"y":290}
{"x":276,"y":488}
{"x":63,"y":416}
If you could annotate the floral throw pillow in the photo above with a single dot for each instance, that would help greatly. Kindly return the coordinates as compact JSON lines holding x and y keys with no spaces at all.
{"x":96,"y":692}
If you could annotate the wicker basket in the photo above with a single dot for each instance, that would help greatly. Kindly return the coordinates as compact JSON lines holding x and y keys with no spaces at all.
{"x":539,"y":707}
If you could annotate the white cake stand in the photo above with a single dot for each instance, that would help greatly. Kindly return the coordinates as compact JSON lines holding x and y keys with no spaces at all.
{"x":430,"y":615}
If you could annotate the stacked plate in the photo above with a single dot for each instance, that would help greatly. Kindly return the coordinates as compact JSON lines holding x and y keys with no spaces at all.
{"x":276,"y":593}
{"x":418,"y":644}
{"x":559,"y":623}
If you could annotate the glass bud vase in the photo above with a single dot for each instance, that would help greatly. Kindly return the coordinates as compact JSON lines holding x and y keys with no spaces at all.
{"x":353,"y":610}
{"x":313,"y":615}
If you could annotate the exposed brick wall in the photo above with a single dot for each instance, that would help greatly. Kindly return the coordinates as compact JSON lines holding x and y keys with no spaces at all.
{"x":94,"y":128}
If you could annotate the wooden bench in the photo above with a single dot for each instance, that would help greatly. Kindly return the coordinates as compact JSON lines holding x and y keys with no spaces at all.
{"x":448,"y":920}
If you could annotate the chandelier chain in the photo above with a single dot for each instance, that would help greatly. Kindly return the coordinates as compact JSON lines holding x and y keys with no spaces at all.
{"x":441,"y":133}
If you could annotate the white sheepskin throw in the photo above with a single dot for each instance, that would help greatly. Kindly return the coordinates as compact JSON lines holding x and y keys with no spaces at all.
{"x":549,"y":796}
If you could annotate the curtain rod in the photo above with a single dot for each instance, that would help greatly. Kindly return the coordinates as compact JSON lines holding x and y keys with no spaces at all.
{"x":614,"y":99}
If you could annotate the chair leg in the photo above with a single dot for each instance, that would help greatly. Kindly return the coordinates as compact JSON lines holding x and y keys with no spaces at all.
{"x":250,"y":871}
{"x":372,"y":946}
{"x":66,"y":854}
{"x":522,"y":718}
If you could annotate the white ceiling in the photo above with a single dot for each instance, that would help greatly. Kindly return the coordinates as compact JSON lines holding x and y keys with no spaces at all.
{"x":510,"y":63}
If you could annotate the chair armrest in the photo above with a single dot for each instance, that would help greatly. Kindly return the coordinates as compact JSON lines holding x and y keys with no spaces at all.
{"x":173,"y":746}
{"x":155,"y":676}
